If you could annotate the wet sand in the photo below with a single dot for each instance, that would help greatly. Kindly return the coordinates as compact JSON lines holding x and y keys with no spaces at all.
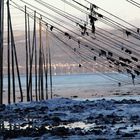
{"x":84,"y":93}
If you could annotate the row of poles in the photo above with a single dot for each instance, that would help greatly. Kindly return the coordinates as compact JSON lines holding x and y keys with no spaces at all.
{"x":35,"y":55}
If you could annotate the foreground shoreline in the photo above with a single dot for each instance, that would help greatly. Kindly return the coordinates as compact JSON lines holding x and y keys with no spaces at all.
{"x":63,"y":118}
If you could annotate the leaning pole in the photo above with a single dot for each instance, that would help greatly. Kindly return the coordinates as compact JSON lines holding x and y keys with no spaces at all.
{"x":1,"y":48}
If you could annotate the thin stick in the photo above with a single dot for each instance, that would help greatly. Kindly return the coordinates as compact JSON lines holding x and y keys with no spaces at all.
{"x":1,"y":48}
{"x":26,"y":46}
{"x":12,"y":55}
{"x":8,"y":54}
{"x":16,"y":61}
{"x":50,"y":72}
{"x":35,"y":58}
{"x":41,"y":63}
{"x":40,"y":44}
{"x":30,"y":60}
{"x":46,"y":65}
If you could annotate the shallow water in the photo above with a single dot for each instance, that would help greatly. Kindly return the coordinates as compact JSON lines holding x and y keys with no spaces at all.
{"x":79,"y":80}
{"x":84,"y":85}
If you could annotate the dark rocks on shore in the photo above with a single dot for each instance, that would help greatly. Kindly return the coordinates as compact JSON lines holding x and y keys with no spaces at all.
{"x":60,"y":131}
{"x":2,"y":107}
{"x":75,"y":96}
{"x":90,"y":119}
{"x":102,"y":118}
{"x":28,"y":132}
{"x":55,"y":121}
{"x":77,"y":108}
{"x":128,"y":135}
{"x":96,"y":132}
{"x":125,"y":101}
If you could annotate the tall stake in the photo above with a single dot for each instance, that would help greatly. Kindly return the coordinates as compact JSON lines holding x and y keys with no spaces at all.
{"x":39,"y":72}
{"x":45,"y":61}
{"x":8,"y":54}
{"x":41,"y":62}
{"x":46,"y":64}
{"x":26,"y":43}
{"x":1,"y":48}
{"x":14,"y":55}
{"x":35,"y":59}
{"x":32,"y":56}
{"x":30,"y":60}
{"x":16,"y":62}
{"x":50,"y":66}
{"x":13,"y":71}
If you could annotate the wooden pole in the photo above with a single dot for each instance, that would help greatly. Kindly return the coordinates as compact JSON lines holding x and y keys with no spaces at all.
{"x":1,"y":48}
{"x":16,"y":62}
{"x":30,"y":60}
{"x":39,"y":72}
{"x":32,"y":55}
{"x":13,"y":71}
{"x":8,"y":54}
{"x":50,"y":68}
{"x":26,"y":47}
{"x":35,"y":59}
{"x":41,"y":62}
{"x":14,"y":57}
{"x":46,"y":64}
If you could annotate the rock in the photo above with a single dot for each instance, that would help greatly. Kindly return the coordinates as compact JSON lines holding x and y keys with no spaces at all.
{"x":2,"y":107}
{"x":56,"y":119}
{"x":90,"y":119}
{"x":8,"y":134}
{"x":29,"y":109}
{"x":17,"y":110}
{"x":128,"y":135}
{"x":60,"y":131}
{"x":78,"y":131}
{"x":134,"y":117}
{"x":100,"y":127}
{"x":96,"y":131}
{"x":77,"y":108}
{"x":74,"y":96}
{"x":24,"y":124}
{"x":42,"y":130}
{"x":43,"y":108}
{"x":99,"y":116}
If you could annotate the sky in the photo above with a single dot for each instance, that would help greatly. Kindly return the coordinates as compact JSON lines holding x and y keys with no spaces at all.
{"x":120,"y":8}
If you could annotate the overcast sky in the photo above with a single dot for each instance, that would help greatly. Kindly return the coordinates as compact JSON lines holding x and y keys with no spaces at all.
{"x":120,"y":8}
